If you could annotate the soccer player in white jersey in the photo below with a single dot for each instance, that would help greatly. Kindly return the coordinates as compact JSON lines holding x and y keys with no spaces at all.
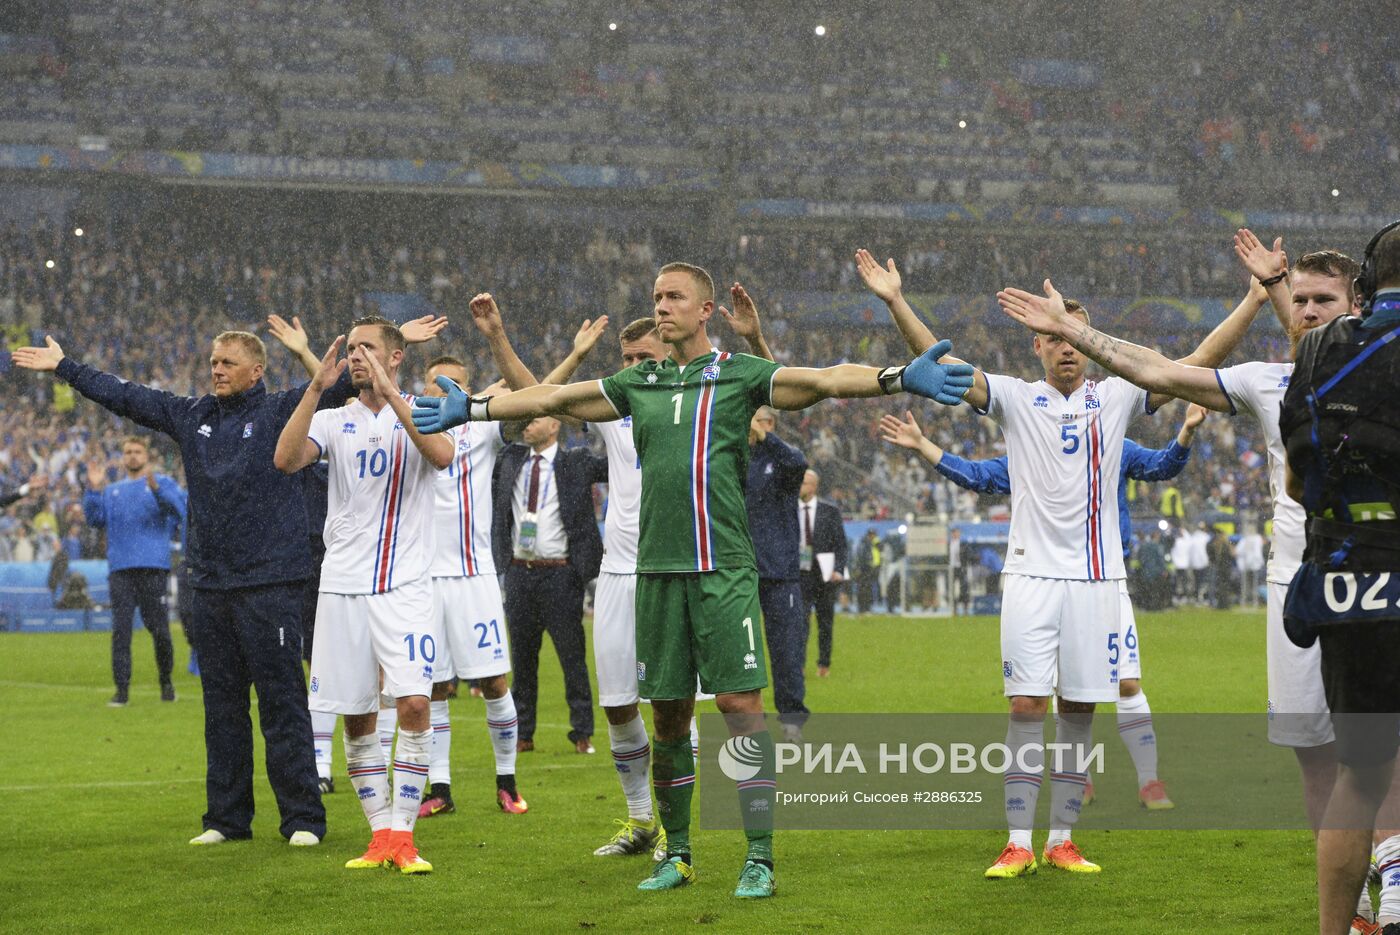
{"x":1060,"y":620}
{"x":467,"y":604}
{"x":1319,"y":289}
{"x":374,"y":612}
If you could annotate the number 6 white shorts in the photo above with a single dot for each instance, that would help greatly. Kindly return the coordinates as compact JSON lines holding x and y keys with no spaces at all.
{"x":473,"y":622}
{"x":1065,"y":633}
{"x":358,"y":635}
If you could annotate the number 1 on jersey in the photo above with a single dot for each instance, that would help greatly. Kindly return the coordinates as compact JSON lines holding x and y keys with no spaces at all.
{"x":677,"y":400}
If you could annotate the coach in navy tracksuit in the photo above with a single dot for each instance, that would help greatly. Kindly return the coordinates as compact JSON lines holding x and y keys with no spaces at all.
{"x":775,"y":477}
{"x":141,"y":515}
{"x":248,"y":555}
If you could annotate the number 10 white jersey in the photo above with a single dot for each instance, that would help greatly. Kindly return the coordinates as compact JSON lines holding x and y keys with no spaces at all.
{"x":1063,"y":454}
{"x":379,"y":509}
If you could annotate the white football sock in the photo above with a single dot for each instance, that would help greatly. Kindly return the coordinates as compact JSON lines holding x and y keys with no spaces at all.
{"x":439,"y":765}
{"x":369,"y":774}
{"x":322,"y":733}
{"x":1135,"y":727}
{"x":1021,"y":781}
{"x":694,"y":737}
{"x":501,"y":722}
{"x":388,"y":723}
{"x":631,"y":753}
{"x":1067,"y":783}
{"x":410,"y":775}
{"x":1388,"y":863}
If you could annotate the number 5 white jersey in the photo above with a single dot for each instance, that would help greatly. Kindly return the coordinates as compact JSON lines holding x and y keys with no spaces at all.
{"x":1063,"y":454}
{"x":379,"y":531}
{"x":462,"y":513}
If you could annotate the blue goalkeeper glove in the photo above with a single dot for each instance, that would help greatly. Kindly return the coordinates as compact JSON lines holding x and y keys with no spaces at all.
{"x":925,"y":376}
{"x":440,"y":413}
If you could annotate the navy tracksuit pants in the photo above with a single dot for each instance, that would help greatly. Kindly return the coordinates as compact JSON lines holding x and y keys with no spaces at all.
{"x":785,"y":630}
{"x":251,"y":638}
{"x":143,"y":588}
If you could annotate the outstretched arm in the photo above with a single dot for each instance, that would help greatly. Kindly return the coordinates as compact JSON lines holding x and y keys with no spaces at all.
{"x":744,"y":320}
{"x":1223,"y":339}
{"x":986,"y":476}
{"x":487,"y":317}
{"x":155,"y":409}
{"x":888,"y":285}
{"x":583,"y":401}
{"x":946,"y":381}
{"x":1153,"y":464}
{"x":1147,"y":368}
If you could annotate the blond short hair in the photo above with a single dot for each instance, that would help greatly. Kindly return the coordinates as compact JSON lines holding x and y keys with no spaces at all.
{"x":248,"y":341}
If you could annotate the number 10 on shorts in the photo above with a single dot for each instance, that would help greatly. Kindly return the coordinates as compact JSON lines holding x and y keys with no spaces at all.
{"x":424,"y":645}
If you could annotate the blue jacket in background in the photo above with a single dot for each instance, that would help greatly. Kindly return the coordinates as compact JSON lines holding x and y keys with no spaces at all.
{"x":247,"y":520}
{"x":1139,"y":463}
{"x":139,"y":523}
{"x":775,"y":476}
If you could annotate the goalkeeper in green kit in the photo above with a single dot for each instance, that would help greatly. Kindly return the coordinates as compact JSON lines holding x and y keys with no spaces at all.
{"x":697,"y":583}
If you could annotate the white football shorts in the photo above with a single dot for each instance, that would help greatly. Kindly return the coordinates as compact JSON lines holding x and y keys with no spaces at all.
{"x":1298,"y":713}
{"x":615,"y":639}
{"x":364,"y":633}
{"x":473,"y":622}
{"x":1061,"y":633}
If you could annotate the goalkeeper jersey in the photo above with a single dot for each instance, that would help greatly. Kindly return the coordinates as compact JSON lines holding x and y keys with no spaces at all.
{"x":691,"y":427}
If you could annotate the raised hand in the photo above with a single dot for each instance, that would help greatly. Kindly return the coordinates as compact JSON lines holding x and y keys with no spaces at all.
{"x":588,"y":334}
{"x":744,"y":319}
{"x":487,"y":315}
{"x":330,"y":369}
{"x":1195,"y":415}
{"x":902,"y":432}
{"x":96,"y":475}
{"x":884,"y":281}
{"x":1041,"y":314}
{"x":150,"y":475}
{"x":38,"y":358}
{"x":499,"y":388}
{"x":293,"y":336}
{"x":422,"y":330}
{"x":383,"y":385}
{"x":942,"y":383}
{"x":1261,"y":261}
{"x":440,"y":413}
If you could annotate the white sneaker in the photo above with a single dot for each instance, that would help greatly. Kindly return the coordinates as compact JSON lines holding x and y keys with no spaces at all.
{"x":209,"y":837}
{"x":303,"y":839}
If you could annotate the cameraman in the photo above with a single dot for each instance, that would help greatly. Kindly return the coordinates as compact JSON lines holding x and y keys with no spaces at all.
{"x":1342,"y":431}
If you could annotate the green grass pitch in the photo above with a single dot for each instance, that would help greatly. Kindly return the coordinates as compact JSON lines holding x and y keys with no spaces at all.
{"x":97,"y":805}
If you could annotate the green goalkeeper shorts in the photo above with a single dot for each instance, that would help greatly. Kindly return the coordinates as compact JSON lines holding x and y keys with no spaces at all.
{"x":699,"y":623}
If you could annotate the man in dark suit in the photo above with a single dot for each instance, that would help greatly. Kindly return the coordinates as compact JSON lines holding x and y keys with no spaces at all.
{"x":545,"y":535}
{"x":822,"y":533}
{"x":775,"y":475}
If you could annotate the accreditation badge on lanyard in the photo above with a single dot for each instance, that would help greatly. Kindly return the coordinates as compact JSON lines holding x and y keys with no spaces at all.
{"x":804,"y":557}
{"x":529,"y":534}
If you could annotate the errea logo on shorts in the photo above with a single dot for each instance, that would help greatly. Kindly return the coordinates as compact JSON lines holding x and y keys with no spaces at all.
{"x":641,"y":671}
{"x":315,"y":685}
{"x":750,"y":661}
{"x":1006,"y":668}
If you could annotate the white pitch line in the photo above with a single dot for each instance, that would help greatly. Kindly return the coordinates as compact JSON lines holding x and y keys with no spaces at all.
{"x":97,"y":785}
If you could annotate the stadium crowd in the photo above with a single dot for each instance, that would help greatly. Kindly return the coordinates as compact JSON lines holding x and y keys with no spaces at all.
{"x":143,"y":300}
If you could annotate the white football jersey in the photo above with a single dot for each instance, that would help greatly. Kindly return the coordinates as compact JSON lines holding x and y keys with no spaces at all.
{"x":379,"y":510}
{"x":621,"y":525}
{"x":1063,"y":455}
{"x":1257,"y":388}
{"x":462,"y":504}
